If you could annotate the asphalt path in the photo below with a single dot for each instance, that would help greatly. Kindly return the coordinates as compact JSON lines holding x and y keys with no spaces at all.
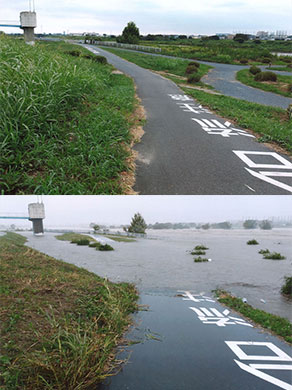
{"x":183,"y":339}
{"x":183,"y":151}
{"x":180,"y":345}
{"x":223,"y":78}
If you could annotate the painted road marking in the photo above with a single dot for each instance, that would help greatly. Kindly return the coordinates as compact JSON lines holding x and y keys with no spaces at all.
{"x":253,"y":369}
{"x":192,"y":297}
{"x":212,"y":316}
{"x":213,"y":126}
{"x":183,"y":98}
{"x":190,"y":107}
{"x":267,"y":175}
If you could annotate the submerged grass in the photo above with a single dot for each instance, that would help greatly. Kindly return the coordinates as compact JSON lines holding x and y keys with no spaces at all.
{"x":281,"y":326}
{"x":64,"y":121}
{"x":59,"y":323}
{"x":279,"y":87}
{"x":270,"y":123}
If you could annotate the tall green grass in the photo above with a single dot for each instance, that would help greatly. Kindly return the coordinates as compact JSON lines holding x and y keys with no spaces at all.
{"x":64,"y":121}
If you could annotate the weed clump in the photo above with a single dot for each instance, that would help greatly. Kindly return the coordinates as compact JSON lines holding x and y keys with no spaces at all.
{"x":200,"y":259}
{"x":274,"y":256}
{"x":264,"y":251}
{"x":266,"y":76}
{"x":252,"y":242}
{"x":243,"y":61}
{"x":201,"y":247}
{"x":74,"y":53}
{"x":104,"y":247}
{"x":254,"y":70}
{"x":82,"y":242}
{"x":287,"y":286}
{"x":94,"y":245}
{"x":198,"y":252}
{"x":194,"y":78}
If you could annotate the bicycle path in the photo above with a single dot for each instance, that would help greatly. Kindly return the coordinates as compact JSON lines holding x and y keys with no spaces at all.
{"x":188,"y":150}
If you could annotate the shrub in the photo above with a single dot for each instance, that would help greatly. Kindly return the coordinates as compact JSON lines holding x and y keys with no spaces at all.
{"x":266,"y":76}
{"x":104,"y":247}
{"x":254,"y":70}
{"x":101,"y":59}
{"x":274,"y":256}
{"x":289,"y":111}
{"x":289,"y":87}
{"x":200,"y":259}
{"x":266,"y":60}
{"x":82,"y":242}
{"x":252,"y":242}
{"x":264,"y":251}
{"x":194,"y":64}
{"x":94,"y":245}
{"x":198,"y":252}
{"x":201,"y":247}
{"x":74,"y":53}
{"x":287,"y":286}
{"x":243,"y":61}
{"x":191,"y":69}
{"x":194,"y":78}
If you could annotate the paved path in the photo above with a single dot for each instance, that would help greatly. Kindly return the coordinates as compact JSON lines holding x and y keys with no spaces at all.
{"x":188,"y":150}
{"x":223,"y":79}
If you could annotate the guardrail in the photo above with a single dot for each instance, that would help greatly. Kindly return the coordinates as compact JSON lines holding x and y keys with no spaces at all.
{"x":150,"y":49}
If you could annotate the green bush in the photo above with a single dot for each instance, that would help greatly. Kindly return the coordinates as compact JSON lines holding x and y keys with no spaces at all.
{"x":94,"y":245}
{"x":243,"y":61}
{"x":191,"y":70}
{"x":200,"y":259}
{"x":101,"y":59}
{"x":254,"y":70}
{"x":252,"y":242}
{"x":289,"y":88}
{"x":264,"y":251}
{"x":266,"y":76}
{"x":274,"y":256}
{"x":194,"y":78}
{"x":201,"y":247}
{"x":287,"y":286}
{"x":74,"y":53}
{"x":266,"y":60}
{"x":198,"y":252}
{"x":105,"y":247}
{"x":83,"y":242}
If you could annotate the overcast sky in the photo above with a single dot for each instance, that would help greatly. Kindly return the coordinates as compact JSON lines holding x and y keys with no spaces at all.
{"x":154,"y":16}
{"x":82,"y":210}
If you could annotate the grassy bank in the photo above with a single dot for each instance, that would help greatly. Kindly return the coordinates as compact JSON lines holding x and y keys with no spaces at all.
{"x":65,"y":121}
{"x":59,"y":324}
{"x":281,"y":326}
{"x":160,"y":64}
{"x":280,"y":86}
{"x":271,"y":124}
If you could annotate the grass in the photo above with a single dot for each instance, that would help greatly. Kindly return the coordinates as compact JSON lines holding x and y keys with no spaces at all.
{"x":281,"y":68}
{"x":59,"y":324}
{"x":198,"y":252}
{"x":279,"y":87}
{"x":287,"y":286}
{"x":270,"y":123}
{"x":169,"y":66}
{"x":252,"y":242}
{"x":74,"y":237}
{"x":280,"y":326}
{"x":65,"y":121}
{"x":201,"y":247}
{"x":119,"y":238}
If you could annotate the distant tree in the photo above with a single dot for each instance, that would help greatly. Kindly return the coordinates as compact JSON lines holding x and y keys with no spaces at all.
{"x":138,"y":224}
{"x":265,"y":225}
{"x":206,"y":226}
{"x":250,"y":224}
{"x":240,"y":38}
{"x":130,"y":34}
{"x":94,"y":226}
{"x":182,"y":37}
{"x":214,"y":38}
{"x":222,"y":225}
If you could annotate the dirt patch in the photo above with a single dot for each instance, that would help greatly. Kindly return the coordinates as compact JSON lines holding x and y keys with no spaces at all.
{"x":137,"y":119}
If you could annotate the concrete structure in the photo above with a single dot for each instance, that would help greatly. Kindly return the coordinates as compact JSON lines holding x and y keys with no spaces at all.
{"x":36,"y":214}
{"x":28,"y":23}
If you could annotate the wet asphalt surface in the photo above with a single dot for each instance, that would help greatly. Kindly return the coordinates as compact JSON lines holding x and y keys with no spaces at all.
{"x":178,"y":342}
{"x":181,"y":154}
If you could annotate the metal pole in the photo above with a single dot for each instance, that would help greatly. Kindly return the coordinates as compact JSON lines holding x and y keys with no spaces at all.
{"x":29,"y":5}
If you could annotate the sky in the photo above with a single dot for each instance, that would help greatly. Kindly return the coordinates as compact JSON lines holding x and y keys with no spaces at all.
{"x":153,"y":16}
{"x":82,"y":210}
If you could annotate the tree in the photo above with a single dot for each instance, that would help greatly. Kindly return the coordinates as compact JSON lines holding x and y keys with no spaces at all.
{"x":266,"y":225}
{"x":206,"y":226}
{"x":94,"y":226}
{"x":138,"y":224}
{"x":250,"y":224}
{"x":130,"y":34}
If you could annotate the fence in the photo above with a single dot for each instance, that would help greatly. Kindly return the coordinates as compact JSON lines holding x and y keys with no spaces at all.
{"x":150,"y":49}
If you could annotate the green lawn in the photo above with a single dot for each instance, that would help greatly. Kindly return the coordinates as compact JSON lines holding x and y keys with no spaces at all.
{"x":65,"y":121}
{"x":279,"y":87}
{"x":59,"y":324}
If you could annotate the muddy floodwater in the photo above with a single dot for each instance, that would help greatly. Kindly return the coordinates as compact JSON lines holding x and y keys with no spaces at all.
{"x":162,"y":263}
